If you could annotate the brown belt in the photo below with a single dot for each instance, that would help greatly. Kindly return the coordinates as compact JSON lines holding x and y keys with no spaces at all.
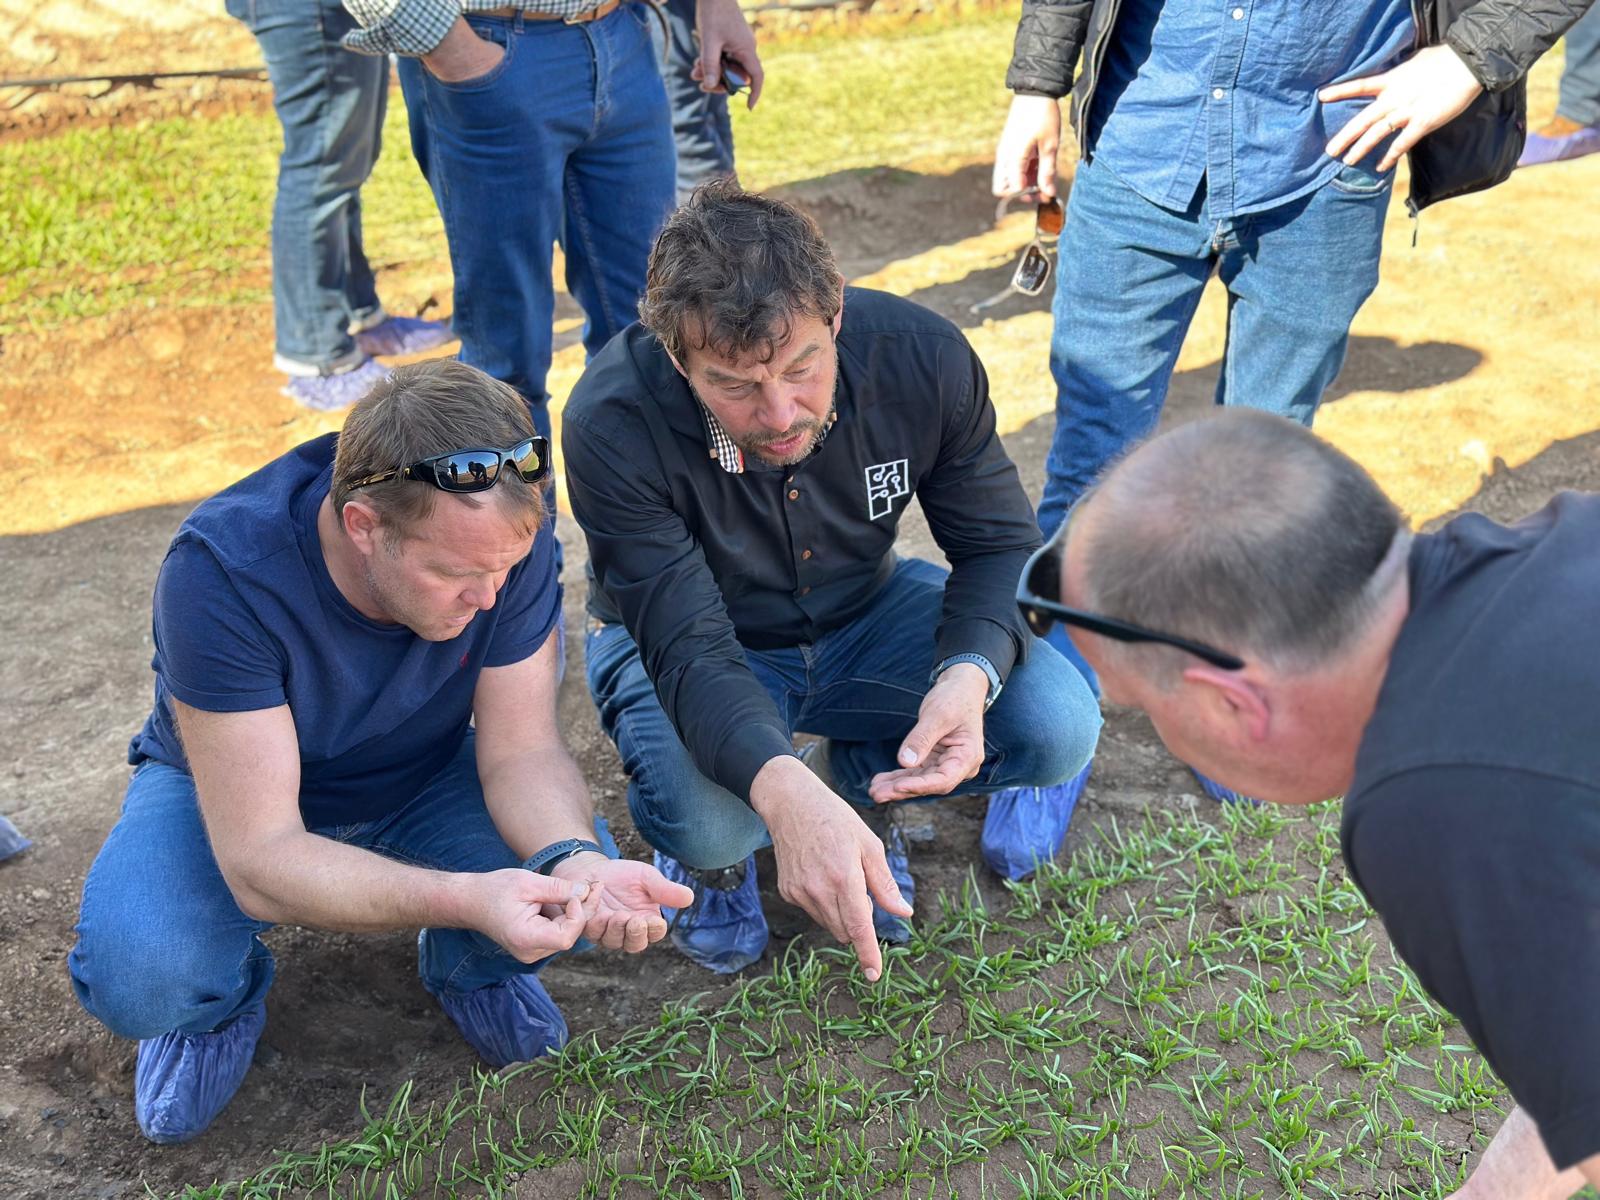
{"x":593,"y":14}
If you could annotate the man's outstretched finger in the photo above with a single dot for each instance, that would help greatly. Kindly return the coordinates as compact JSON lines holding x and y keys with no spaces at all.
{"x":880,"y":882}
{"x":1367,"y":85}
{"x":855,"y":912}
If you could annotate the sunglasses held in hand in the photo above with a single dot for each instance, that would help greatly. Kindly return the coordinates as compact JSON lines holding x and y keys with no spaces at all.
{"x":1033,"y":268}
{"x":1039,"y":599}
{"x":472,"y":470}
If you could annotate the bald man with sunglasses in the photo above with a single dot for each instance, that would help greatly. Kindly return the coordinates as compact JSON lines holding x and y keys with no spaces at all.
{"x":354,"y":729}
{"x":1254,"y":592}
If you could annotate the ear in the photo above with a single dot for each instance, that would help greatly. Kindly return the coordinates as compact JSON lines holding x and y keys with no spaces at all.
{"x":838,"y":317}
{"x":362,"y":525}
{"x":676,"y":363}
{"x":1239,"y":699}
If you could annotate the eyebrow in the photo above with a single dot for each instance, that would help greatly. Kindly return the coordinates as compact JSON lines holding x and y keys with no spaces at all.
{"x":716,"y":376}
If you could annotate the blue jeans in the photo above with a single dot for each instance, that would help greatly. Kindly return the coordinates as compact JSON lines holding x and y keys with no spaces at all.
{"x":330,"y":102}
{"x":701,"y":130}
{"x":566,"y":140}
{"x":1580,"y":77}
{"x":163,"y":946}
{"x":1130,"y":278}
{"x":860,"y":686}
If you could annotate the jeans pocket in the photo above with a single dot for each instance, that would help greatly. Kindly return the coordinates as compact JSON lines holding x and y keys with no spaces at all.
{"x":497,"y":32}
{"x":1361,"y":180}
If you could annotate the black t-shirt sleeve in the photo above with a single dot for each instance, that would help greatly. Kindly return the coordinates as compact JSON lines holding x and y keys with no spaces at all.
{"x":1488,"y":881}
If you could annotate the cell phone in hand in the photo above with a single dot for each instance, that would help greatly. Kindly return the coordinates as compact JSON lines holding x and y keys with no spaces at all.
{"x":734,"y":80}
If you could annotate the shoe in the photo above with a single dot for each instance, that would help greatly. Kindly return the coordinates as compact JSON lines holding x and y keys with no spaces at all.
{"x":508,"y":1022}
{"x":724,"y":930}
{"x":1026,"y":826}
{"x":182,"y":1081}
{"x":329,"y":393}
{"x":885,"y":822}
{"x":403,"y":335}
{"x":1560,"y":141}
{"x":1222,"y":795}
{"x":11,"y":840}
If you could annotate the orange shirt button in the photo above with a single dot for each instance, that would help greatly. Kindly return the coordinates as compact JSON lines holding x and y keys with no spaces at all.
{"x":794,"y":494}
{"x":805,"y":554}
{"x":805,"y":591}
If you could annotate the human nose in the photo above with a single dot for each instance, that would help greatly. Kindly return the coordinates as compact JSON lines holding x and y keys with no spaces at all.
{"x":480,"y":594}
{"x":778,"y":408}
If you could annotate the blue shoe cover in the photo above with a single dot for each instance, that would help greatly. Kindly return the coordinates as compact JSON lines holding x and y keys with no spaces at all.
{"x":329,"y":393}
{"x":182,"y":1081}
{"x":890,"y":928}
{"x":11,"y":840}
{"x":507,"y":1022}
{"x":724,"y":930}
{"x":403,"y":335}
{"x":1222,"y":795}
{"x":1026,"y":826}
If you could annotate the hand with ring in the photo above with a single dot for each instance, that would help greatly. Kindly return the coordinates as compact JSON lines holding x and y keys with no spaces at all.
{"x":1428,"y":90}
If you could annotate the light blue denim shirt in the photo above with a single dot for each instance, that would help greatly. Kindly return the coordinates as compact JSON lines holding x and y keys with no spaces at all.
{"x":1225,"y":91}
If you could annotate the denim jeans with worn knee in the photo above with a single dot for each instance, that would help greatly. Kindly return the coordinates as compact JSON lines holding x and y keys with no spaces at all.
{"x":702,"y":132}
{"x":330,"y":102}
{"x":567,"y":139}
{"x":163,"y":946}
{"x":860,"y":686}
{"x":1131,"y":274}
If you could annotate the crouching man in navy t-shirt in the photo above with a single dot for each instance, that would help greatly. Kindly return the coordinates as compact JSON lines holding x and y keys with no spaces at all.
{"x":354,"y":729}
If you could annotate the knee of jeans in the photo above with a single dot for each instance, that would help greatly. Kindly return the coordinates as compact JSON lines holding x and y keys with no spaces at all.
{"x":1060,"y":725}
{"x":141,"y":988}
{"x":695,"y":821}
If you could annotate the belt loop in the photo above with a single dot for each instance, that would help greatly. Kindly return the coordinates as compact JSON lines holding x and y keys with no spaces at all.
{"x":518,"y":20}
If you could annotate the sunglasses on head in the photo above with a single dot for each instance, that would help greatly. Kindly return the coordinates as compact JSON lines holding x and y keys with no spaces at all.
{"x":1039,"y":599}
{"x":1033,"y":268}
{"x":472,"y":470}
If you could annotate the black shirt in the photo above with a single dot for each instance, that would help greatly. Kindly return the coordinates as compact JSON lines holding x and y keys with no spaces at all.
{"x":700,"y":562}
{"x":1473,"y":823}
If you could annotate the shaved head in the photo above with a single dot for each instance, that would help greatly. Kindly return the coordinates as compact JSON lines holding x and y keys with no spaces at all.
{"x":1243,"y":530}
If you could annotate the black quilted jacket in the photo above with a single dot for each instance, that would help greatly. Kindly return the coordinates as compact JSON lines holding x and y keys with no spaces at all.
{"x":1497,"y":39}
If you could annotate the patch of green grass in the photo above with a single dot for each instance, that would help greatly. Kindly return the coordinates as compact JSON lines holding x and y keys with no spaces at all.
{"x":178,"y":211}
{"x":1183,"y":1009}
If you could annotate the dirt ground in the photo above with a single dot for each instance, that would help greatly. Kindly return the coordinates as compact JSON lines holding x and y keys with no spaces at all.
{"x":1476,"y":358}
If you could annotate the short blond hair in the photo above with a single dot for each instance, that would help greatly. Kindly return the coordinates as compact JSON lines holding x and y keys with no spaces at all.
{"x":424,"y":409}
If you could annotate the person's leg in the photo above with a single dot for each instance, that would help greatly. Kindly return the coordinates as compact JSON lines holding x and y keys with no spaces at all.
{"x":494,"y":151}
{"x":328,"y":100}
{"x":1129,"y":278}
{"x":869,"y":678}
{"x":1296,"y":277}
{"x":702,"y":133}
{"x":619,"y":180}
{"x":1580,"y":77}
{"x":165,"y":955}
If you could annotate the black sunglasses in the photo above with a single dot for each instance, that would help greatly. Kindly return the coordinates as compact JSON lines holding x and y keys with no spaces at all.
{"x":1039,"y":598}
{"x":471,"y":470}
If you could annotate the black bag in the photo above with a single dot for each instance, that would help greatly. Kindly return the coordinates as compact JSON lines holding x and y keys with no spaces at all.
{"x":1479,"y":148}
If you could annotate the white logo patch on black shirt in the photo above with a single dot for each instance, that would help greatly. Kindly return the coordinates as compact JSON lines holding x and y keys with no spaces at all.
{"x":886,"y":483}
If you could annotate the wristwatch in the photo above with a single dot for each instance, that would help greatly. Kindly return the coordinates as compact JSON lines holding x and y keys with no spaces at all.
{"x":976,"y":660}
{"x":558,"y":852}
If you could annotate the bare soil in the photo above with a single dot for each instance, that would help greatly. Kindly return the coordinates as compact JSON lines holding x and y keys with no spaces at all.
{"x":1477,"y":352}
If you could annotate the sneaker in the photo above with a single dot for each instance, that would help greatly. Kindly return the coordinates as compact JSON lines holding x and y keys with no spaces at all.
{"x":403,"y":335}
{"x":182,"y":1081}
{"x":724,"y":930}
{"x":1026,"y":826}
{"x":329,"y":393}
{"x":1559,"y":141}
{"x":507,"y":1022}
{"x":1222,"y":795}
{"x":11,"y":840}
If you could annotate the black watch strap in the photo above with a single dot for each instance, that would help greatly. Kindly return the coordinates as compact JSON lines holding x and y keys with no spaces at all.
{"x":557,"y":852}
{"x":982,"y":664}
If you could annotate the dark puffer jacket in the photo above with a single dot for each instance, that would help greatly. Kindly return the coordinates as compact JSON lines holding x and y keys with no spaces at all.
{"x":1499,"y":40}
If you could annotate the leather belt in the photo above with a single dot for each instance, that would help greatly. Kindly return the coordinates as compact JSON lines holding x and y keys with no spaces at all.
{"x":583,"y":18}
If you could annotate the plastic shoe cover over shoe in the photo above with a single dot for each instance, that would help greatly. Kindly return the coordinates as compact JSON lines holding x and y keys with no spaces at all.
{"x":329,"y":393}
{"x":11,"y":840}
{"x":403,"y":335}
{"x":1546,"y":148}
{"x":1222,"y":795}
{"x":182,"y":1081}
{"x":890,"y":928}
{"x":507,"y":1022}
{"x":724,"y":930}
{"x":1026,"y":826}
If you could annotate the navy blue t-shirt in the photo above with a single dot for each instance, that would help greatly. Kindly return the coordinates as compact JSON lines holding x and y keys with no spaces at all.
{"x":247,"y":617}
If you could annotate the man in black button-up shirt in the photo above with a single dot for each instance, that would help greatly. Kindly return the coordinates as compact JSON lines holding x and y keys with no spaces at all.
{"x":740,"y":463}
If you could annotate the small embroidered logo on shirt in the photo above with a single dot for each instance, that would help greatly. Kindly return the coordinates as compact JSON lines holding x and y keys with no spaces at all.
{"x":886,"y":483}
